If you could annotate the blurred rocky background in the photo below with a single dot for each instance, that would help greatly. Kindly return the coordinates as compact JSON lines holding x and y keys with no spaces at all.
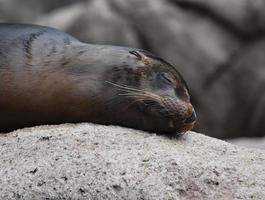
{"x":218,"y":46}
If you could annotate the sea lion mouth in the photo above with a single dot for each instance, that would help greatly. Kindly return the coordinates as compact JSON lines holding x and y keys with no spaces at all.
{"x":191,"y":118}
{"x":180,"y":116}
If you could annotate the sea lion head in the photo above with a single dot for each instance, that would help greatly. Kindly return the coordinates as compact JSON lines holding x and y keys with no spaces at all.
{"x":154,"y":93}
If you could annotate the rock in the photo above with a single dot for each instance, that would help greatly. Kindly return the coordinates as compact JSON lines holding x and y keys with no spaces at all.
{"x":50,"y":5}
{"x":89,"y":161}
{"x":85,"y":22}
{"x":62,"y":18}
{"x":244,"y":17}
{"x":18,"y":11}
{"x":246,"y":77}
{"x":27,"y":11}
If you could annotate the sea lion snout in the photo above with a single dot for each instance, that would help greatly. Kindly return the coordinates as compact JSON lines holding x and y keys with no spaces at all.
{"x":180,"y":113}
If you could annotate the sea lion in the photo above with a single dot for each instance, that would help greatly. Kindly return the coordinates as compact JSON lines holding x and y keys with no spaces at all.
{"x":49,"y":77}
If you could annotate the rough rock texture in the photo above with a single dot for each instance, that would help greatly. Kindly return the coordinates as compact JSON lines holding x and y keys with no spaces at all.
{"x":102,"y":162}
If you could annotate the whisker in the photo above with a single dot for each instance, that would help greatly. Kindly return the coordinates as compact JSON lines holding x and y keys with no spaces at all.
{"x":124,"y":87}
{"x":144,"y":97}
{"x":130,"y":94}
{"x":129,"y":90}
{"x":145,"y":94}
{"x":153,"y":100}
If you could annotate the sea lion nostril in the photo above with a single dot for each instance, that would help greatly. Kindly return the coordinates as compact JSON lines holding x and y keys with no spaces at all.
{"x":191,"y":118}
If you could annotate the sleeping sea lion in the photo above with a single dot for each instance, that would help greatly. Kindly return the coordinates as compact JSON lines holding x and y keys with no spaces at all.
{"x":49,"y":77}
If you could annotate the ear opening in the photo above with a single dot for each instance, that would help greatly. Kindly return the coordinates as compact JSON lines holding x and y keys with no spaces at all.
{"x":140,"y":56}
{"x":137,"y":54}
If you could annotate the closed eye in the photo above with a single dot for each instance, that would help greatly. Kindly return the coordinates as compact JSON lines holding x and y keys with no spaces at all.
{"x":169,"y":78}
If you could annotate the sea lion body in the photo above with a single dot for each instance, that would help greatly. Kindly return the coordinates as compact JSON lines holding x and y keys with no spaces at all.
{"x":49,"y":77}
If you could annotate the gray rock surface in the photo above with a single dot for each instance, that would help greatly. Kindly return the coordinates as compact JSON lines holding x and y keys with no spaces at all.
{"x":29,"y":10}
{"x":247,"y":73}
{"x":85,"y":22}
{"x":241,"y":16}
{"x":89,"y":161}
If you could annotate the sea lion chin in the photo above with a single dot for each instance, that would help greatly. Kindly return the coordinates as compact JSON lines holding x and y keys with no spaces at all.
{"x":49,"y":77}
